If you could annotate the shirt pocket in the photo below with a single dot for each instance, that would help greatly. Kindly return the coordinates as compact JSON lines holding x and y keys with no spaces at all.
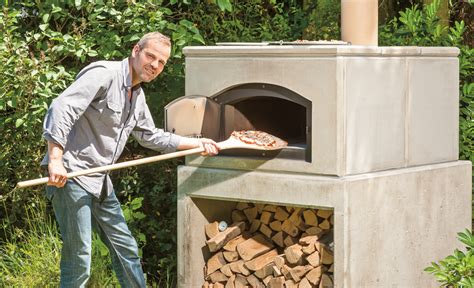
{"x":112,"y":113}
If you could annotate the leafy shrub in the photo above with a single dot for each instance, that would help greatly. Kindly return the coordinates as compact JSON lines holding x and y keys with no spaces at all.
{"x":456,"y":270}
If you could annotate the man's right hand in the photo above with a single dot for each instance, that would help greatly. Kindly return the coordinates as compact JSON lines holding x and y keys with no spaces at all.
{"x":57,"y":174}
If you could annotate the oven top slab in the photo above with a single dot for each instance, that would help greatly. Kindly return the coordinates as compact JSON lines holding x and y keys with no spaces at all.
{"x":253,"y":49}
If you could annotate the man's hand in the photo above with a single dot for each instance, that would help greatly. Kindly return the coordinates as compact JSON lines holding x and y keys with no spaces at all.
{"x":57,"y":172}
{"x":210,"y":146}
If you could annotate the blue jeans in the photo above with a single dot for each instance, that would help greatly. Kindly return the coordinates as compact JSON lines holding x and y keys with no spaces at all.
{"x":77,"y":211}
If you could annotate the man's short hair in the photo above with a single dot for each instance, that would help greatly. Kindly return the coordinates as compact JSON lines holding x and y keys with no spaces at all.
{"x":154,"y":35}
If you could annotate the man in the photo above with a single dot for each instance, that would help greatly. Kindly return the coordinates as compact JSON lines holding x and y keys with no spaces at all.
{"x":87,"y":126}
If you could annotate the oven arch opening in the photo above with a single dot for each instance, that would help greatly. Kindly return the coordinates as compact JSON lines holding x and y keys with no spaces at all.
{"x":270,"y":108}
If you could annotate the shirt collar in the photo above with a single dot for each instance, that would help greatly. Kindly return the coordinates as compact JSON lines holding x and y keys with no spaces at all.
{"x":127,"y":76}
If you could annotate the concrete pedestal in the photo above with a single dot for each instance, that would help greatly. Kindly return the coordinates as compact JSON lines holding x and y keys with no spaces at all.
{"x":389,"y":225}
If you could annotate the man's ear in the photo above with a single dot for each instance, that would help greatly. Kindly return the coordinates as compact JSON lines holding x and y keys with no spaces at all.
{"x":135,"y":50}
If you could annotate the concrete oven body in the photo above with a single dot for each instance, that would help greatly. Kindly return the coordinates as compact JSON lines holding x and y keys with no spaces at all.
{"x":373,"y":135}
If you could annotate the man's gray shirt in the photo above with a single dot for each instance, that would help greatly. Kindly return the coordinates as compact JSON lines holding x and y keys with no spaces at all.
{"x":93,"y":118}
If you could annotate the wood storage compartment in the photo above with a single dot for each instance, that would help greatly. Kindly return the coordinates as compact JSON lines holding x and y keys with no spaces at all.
{"x":266,"y":245}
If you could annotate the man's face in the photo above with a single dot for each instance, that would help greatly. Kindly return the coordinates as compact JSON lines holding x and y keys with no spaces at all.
{"x":149,"y":61}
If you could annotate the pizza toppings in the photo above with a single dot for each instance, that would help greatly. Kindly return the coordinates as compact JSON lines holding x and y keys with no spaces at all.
{"x":258,"y":138}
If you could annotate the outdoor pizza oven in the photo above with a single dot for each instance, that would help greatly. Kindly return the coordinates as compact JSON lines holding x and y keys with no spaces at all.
{"x":254,"y":106}
{"x":373,"y":139}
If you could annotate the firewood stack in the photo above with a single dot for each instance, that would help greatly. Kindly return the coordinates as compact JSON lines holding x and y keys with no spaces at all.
{"x":271,"y":246}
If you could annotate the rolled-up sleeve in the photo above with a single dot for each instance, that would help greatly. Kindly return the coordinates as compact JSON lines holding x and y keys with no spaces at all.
{"x":71,"y":104}
{"x":151,"y":137}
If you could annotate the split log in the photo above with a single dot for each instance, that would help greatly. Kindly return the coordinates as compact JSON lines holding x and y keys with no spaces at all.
{"x":230,"y":282}
{"x":261,"y":261}
{"x":314,"y":231}
{"x":240,"y":281}
{"x":266,"y":280}
{"x":217,"y":276}
{"x":243,"y":270}
{"x":217,"y":285}
{"x":238,"y":267}
{"x":298,"y":272}
{"x":290,"y":284}
{"x":251,"y":213}
{"x":278,"y":282}
{"x":266,"y":230}
{"x":254,"y":225}
{"x":226,"y":270}
{"x":265,"y":271}
{"x":324,"y":213}
{"x":327,"y":258}
{"x":285,"y":270}
{"x":279,"y":261}
{"x":276,"y":271}
{"x":310,"y":217}
{"x":304,"y":283}
{"x":325,"y":282}
{"x":276,"y":226}
{"x":266,"y":217}
{"x":314,"y":259}
{"x":270,"y":208}
{"x":254,"y":247}
{"x":331,"y":269}
{"x":314,"y":276}
{"x":232,"y":244}
{"x":215,"y":262}
{"x":294,"y":255}
{"x":231,"y":256}
{"x":242,"y":205}
{"x":278,"y":239}
{"x":218,"y":241}
{"x":308,"y":240}
{"x":281,"y":214}
{"x":289,"y":241}
{"x":308,"y":249}
{"x":325,"y":225}
{"x":290,"y":228}
{"x":295,"y":218}
{"x":255,"y":282}
{"x":260,"y":207}
{"x":211,"y":229}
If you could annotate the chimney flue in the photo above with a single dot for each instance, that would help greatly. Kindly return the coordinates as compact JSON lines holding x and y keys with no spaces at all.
{"x":359,"y":22}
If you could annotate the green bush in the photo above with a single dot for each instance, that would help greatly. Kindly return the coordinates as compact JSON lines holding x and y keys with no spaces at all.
{"x":456,"y":270}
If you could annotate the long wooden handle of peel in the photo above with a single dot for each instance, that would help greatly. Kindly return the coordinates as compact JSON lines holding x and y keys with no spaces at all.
{"x":116,"y":166}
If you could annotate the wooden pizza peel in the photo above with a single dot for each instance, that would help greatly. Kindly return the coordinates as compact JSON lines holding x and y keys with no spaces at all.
{"x":232,"y":142}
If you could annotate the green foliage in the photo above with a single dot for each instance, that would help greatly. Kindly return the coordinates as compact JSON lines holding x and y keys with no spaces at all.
{"x":324,"y":20}
{"x":456,"y":270}
{"x":29,"y":255}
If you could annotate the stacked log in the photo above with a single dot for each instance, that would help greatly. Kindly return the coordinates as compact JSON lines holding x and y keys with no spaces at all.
{"x":271,"y":246}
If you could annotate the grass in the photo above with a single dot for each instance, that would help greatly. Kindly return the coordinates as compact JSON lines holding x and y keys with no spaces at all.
{"x":29,"y":257}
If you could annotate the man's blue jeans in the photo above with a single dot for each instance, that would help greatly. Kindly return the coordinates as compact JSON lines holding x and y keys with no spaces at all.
{"x":77,"y":211}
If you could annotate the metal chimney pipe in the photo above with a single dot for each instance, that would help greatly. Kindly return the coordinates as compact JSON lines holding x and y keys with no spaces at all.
{"x":359,"y":22}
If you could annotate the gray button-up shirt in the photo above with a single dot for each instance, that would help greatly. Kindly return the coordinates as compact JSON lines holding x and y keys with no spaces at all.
{"x":93,"y":118}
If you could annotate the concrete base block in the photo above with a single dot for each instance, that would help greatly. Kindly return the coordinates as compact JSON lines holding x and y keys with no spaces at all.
{"x":388,"y":227}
